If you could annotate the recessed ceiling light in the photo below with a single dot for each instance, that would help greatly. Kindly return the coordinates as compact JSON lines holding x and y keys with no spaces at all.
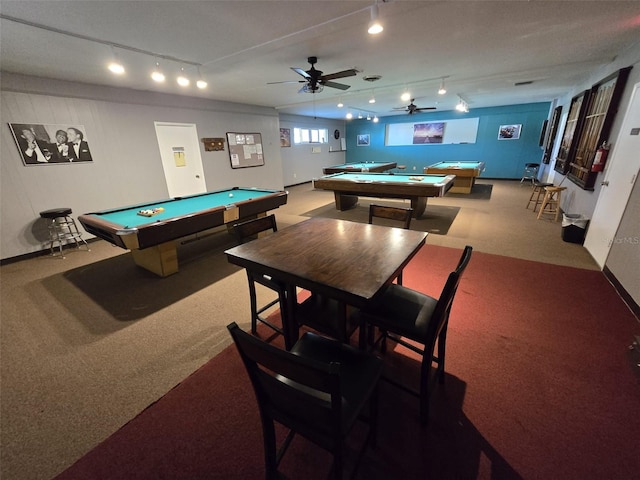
{"x":372,"y":78}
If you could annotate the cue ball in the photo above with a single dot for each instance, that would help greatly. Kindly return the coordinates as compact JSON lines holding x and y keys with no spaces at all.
{"x":231,"y":194}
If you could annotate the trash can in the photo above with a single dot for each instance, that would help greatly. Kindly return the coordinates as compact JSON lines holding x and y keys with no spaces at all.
{"x":574,"y":227}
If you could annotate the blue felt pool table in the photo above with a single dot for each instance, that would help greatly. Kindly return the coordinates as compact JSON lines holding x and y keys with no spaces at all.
{"x":465,"y":172}
{"x":348,"y":186}
{"x":150,"y":230}
{"x":360,"y":167}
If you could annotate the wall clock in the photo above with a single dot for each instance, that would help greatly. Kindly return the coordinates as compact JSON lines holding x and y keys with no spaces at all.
{"x":336,"y":134}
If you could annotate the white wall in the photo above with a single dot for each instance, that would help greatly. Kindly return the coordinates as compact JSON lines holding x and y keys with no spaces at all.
{"x":299,"y":164}
{"x":126,"y":167}
{"x":575,"y":199}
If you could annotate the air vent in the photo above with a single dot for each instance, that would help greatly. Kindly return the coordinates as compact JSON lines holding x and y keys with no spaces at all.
{"x":372,"y":78}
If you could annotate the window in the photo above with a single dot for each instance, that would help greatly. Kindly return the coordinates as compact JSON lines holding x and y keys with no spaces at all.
{"x":590,"y":118}
{"x":310,"y":135}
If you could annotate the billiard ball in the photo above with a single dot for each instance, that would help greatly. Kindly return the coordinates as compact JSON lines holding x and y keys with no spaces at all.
{"x":231,"y":194}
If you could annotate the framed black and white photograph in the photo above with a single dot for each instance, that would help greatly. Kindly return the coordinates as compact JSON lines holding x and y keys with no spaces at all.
{"x":42,"y":144}
{"x":285,"y":137}
{"x":509,"y":132}
{"x":363,"y":140}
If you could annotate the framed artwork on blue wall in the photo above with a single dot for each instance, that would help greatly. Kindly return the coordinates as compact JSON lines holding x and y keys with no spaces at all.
{"x":363,"y":140}
{"x":509,"y":132}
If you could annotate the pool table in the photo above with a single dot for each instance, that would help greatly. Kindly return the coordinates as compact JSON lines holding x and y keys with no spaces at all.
{"x":348,"y":186}
{"x":465,"y":172}
{"x":152,"y":238}
{"x":360,"y":167}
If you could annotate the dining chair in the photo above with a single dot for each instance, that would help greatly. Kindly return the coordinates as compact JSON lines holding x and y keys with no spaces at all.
{"x":392,"y":213}
{"x":246,"y":231}
{"x":319,"y":390}
{"x":404,"y":314}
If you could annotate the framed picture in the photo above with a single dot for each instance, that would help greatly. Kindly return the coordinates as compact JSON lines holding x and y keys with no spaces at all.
{"x":509,"y":132}
{"x":41,"y":144}
{"x":285,"y":137}
{"x":363,"y":140}
{"x":432,"y":132}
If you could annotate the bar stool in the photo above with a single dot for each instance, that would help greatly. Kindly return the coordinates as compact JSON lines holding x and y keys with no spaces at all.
{"x":62,"y":227}
{"x":537,"y":194}
{"x":551,"y":202}
{"x":530,"y":172}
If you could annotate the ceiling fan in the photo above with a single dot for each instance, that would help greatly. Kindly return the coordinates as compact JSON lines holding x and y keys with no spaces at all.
{"x":315,"y":81}
{"x":412,"y":108}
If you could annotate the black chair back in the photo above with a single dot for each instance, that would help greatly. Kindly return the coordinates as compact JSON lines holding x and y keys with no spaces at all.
{"x":311,"y":390}
{"x":247,"y":230}
{"x":392,"y":213}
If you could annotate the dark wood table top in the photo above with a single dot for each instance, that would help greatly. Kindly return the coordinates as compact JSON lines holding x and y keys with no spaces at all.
{"x":350,"y":262}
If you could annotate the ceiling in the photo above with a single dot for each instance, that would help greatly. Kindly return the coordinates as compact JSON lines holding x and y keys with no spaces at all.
{"x":481,"y":49}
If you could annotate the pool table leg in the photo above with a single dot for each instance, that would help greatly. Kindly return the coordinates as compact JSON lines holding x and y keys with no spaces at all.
{"x":345,"y":202}
{"x":462,"y":184}
{"x":160,"y":259}
{"x":419,"y":205}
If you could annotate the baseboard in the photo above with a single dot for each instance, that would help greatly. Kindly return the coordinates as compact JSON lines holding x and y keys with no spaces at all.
{"x":40,"y":253}
{"x":631,"y":303}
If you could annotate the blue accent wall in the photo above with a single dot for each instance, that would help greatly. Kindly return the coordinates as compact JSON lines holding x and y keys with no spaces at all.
{"x":503,"y":158}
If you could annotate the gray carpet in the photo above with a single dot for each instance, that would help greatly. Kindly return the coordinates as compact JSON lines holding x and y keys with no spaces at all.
{"x":436,"y":218}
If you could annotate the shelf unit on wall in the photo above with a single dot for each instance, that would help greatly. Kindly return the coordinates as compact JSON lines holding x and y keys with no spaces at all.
{"x":591,"y":116}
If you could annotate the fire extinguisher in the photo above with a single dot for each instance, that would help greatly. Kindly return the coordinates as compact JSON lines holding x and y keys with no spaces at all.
{"x":601,"y":158}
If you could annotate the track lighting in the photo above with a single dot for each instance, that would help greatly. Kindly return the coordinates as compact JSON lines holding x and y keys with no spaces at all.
{"x":373,"y":98}
{"x":340,"y":104}
{"x":375,"y":26}
{"x":349,"y":115}
{"x":157,"y":74}
{"x":462,"y":106}
{"x":201,"y":83}
{"x":182,"y":80}
{"x":375,"y":119}
{"x":406,"y":96}
{"x":442,"y":90}
{"x":115,"y":66}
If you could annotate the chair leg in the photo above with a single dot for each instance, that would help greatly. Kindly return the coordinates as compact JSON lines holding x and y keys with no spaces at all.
{"x":442,"y":345}
{"x":254,"y":306}
{"x":270,"y":456}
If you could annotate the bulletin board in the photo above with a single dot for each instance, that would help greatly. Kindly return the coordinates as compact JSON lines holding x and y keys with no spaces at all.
{"x":245,"y":149}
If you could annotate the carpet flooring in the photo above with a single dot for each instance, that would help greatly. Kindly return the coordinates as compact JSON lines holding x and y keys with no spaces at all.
{"x":533,"y":390}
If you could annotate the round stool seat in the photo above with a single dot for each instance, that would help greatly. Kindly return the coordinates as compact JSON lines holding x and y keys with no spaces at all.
{"x":55,"y":213}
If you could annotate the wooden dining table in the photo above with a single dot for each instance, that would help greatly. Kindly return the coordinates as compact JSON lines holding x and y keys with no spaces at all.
{"x":350,"y":263}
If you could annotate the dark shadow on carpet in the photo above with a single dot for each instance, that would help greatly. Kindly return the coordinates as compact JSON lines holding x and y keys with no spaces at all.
{"x":480,"y":191}
{"x":128,"y":292}
{"x":436,"y":218}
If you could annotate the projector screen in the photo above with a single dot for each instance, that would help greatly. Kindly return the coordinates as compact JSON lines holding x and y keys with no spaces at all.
{"x":437,"y":132}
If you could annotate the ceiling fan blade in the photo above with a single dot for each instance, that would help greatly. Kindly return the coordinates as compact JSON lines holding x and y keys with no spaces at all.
{"x":424,"y":108}
{"x":300,"y":71}
{"x":286,"y":81}
{"x":340,"y":86}
{"x":345,"y":73}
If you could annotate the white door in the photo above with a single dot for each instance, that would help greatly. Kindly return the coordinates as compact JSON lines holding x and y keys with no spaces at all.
{"x":181,"y":160}
{"x":620,"y":175}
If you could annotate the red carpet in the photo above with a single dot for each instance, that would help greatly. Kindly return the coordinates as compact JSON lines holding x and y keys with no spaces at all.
{"x":538,"y":386}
